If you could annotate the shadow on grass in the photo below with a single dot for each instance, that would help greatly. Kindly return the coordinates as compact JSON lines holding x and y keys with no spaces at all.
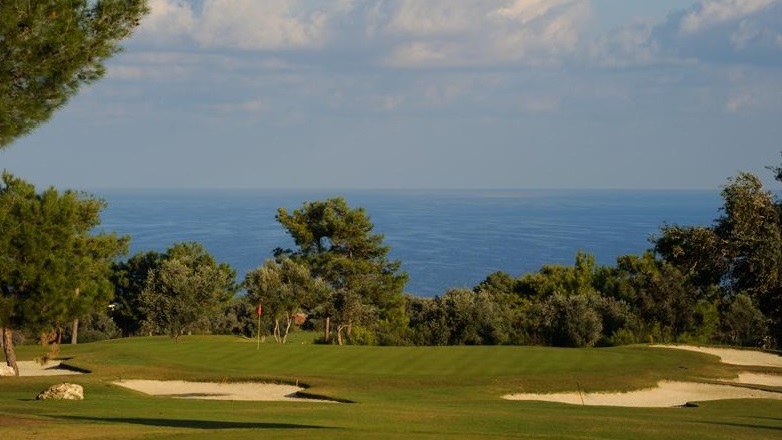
{"x":68,"y":367}
{"x":194,"y":424}
{"x":747,"y":425}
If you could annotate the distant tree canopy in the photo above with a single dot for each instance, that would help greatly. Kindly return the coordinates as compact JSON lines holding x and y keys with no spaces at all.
{"x":52,"y":270}
{"x":49,"y":49}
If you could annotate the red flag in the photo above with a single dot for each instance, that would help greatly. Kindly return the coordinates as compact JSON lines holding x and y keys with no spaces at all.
{"x":259,"y":309}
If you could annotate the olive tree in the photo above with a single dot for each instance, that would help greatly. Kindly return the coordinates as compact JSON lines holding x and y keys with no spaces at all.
{"x":750,"y":229}
{"x":569,"y":321}
{"x":741,"y":253}
{"x":188,"y":287}
{"x":282,"y":287}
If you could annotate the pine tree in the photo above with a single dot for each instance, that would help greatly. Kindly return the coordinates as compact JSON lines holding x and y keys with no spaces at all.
{"x":52,"y":270}
{"x":49,"y":49}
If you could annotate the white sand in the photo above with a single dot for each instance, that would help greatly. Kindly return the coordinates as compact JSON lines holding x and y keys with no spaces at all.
{"x":669,"y":394}
{"x":734,"y":356}
{"x":51,"y":368}
{"x":216,"y":391}
{"x":769,"y":380}
{"x":666,"y":394}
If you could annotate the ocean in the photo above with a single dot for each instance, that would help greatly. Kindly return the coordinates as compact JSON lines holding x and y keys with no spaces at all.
{"x":444,"y":238}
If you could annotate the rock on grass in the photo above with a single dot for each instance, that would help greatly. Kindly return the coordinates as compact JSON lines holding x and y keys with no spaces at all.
{"x":63,"y":391}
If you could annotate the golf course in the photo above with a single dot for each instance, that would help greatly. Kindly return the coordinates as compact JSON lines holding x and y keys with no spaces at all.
{"x":359,"y":392}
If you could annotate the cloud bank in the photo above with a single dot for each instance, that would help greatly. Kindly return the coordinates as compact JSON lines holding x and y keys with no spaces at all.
{"x":468,"y":33}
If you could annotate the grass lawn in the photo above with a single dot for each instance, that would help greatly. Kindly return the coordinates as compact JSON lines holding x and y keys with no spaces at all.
{"x":397,"y":392}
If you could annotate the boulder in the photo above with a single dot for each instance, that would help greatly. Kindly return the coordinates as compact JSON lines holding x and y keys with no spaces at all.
{"x":5,"y":370}
{"x":63,"y":391}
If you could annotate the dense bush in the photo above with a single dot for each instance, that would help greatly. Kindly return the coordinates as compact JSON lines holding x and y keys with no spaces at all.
{"x":743,"y":323}
{"x":569,"y":321}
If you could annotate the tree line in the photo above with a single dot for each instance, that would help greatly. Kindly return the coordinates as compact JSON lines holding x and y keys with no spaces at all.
{"x":720,"y":283}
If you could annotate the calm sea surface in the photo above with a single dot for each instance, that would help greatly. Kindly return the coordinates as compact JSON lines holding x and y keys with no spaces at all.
{"x":444,"y":239}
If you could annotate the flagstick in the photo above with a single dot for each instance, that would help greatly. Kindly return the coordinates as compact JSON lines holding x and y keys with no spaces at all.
{"x":259,"y":332}
{"x":259,"y":311}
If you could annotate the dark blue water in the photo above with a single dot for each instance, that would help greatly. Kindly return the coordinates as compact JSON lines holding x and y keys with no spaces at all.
{"x":444,"y":239}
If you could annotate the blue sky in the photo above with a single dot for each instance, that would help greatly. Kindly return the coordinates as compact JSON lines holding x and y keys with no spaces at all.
{"x":425,"y":94}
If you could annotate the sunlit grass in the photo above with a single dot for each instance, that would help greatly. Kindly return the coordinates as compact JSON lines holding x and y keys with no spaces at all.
{"x":399,"y":392}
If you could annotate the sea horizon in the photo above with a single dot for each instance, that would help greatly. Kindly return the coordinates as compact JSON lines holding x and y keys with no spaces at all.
{"x":445,"y":238}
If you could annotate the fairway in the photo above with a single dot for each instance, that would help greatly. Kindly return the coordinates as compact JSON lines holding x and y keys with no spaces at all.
{"x":393,"y":392}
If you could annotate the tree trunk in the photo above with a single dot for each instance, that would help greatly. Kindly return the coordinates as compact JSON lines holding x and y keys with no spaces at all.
{"x":339,"y":335}
{"x":327,"y":332}
{"x":345,"y":327}
{"x":277,"y":330}
{"x":75,"y":328}
{"x":287,"y":327}
{"x":75,"y":331}
{"x":8,"y":348}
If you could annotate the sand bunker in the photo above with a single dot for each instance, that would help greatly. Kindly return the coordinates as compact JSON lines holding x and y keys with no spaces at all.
{"x":184,"y":390}
{"x":670,"y":394}
{"x":217,"y":391}
{"x":666,"y":394}
{"x":734,"y":356}
{"x":51,"y":368}
{"x":769,"y":380}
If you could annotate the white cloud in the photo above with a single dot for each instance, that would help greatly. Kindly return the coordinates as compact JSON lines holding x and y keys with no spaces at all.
{"x":260,"y":25}
{"x":715,"y":12}
{"x":168,"y":20}
{"x":350,"y":44}
{"x":465,"y":33}
{"x":438,"y":33}
{"x":526,"y":11}
{"x":712,"y":31}
{"x":433,"y":17}
{"x":243,"y":24}
{"x":402,"y":33}
{"x":553,"y":28}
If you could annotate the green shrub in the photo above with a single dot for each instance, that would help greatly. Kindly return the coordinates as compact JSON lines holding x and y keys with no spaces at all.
{"x":570,"y":321}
